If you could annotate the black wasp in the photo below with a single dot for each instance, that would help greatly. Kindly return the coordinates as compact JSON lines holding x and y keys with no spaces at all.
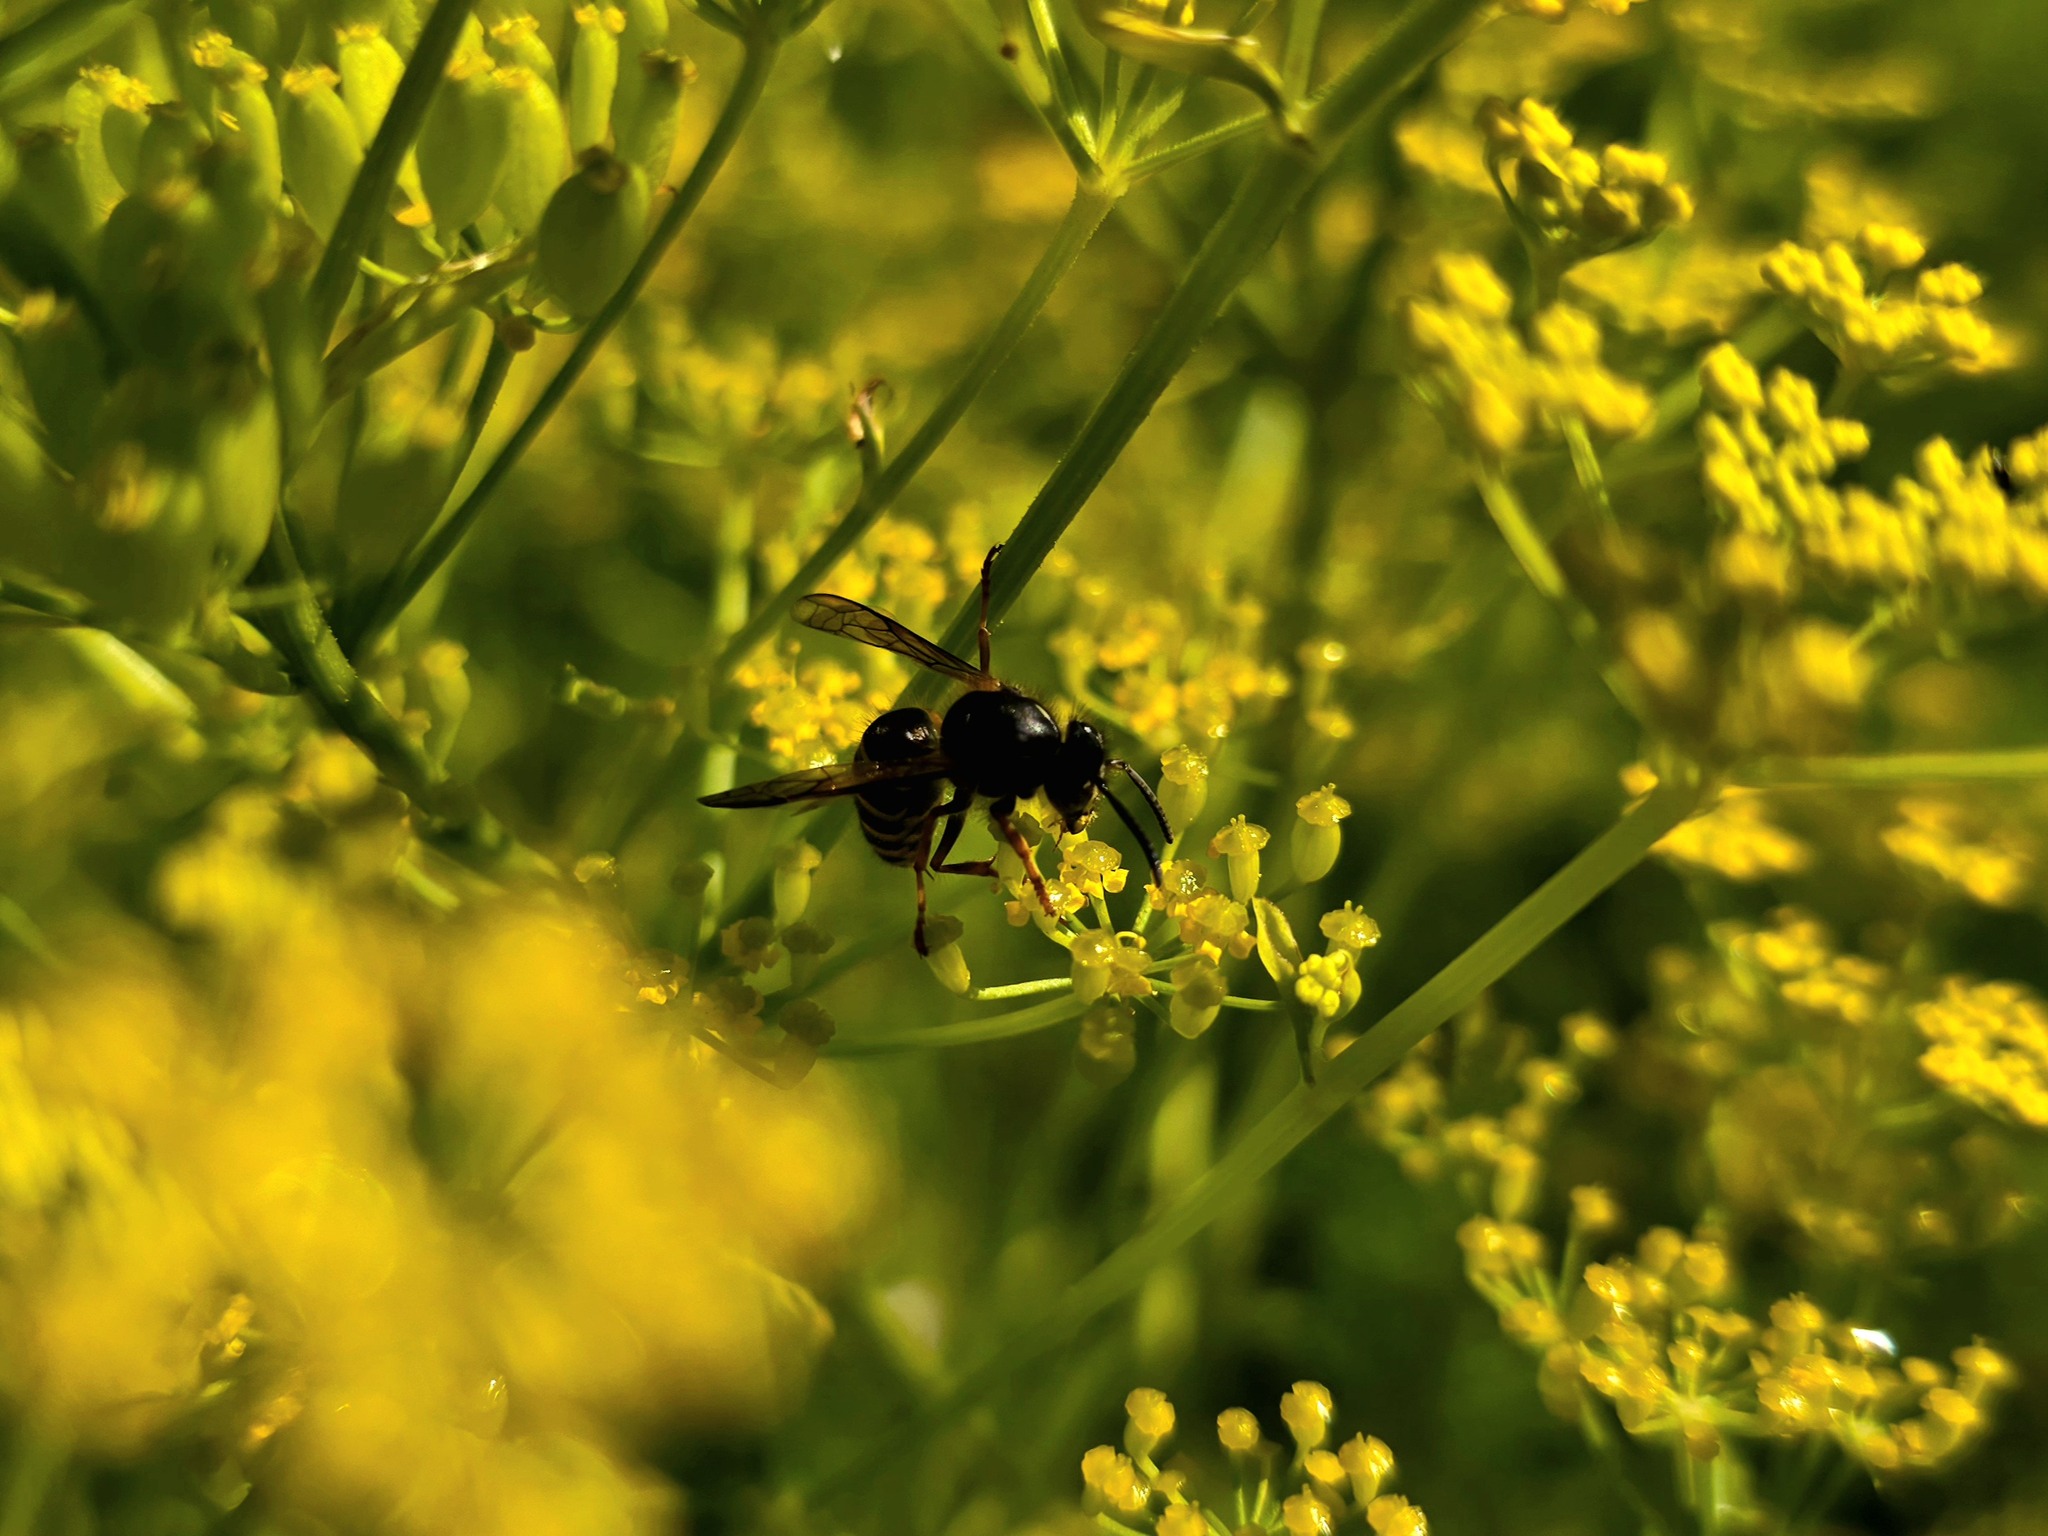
{"x":994,"y":743}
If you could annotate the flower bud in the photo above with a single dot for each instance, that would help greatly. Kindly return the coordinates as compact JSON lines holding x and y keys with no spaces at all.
{"x":464,"y":145}
{"x":1349,"y":928}
{"x":1238,"y":1430}
{"x":644,"y":126}
{"x":591,"y":232}
{"x":807,"y":945}
{"x":943,"y":954}
{"x":1151,"y":1420}
{"x":593,"y":74}
{"x":1328,"y":985}
{"x":535,"y":157}
{"x":1368,"y":1463}
{"x":1183,"y":785}
{"x":1108,"y":1048}
{"x":1092,"y":953}
{"x":321,"y":148}
{"x":792,"y":884}
{"x":1198,"y":998}
{"x":750,"y":944}
{"x":1239,"y":843}
{"x":1316,"y":840}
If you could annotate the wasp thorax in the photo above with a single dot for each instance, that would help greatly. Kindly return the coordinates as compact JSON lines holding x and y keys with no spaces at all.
{"x":1000,"y":743}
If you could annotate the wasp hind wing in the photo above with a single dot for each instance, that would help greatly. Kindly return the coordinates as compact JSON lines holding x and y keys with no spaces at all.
{"x":823,"y":783}
{"x":835,"y":615}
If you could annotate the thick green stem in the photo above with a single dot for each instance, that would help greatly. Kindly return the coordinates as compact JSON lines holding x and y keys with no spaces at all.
{"x":762,"y":49}
{"x":1288,"y":1124}
{"x":1091,"y":205}
{"x":1271,"y":189}
{"x":370,"y":195}
{"x":2012,"y":764}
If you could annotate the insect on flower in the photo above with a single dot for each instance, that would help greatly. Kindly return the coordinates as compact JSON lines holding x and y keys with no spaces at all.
{"x":994,"y":743}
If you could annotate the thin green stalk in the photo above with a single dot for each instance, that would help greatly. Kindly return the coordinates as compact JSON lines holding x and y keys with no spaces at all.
{"x":1994,"y":766}
{"x":1197,"y":144}
{"x":1091,"y":205}
{"x":35,"y":51}
{"x":370,"y":195}
{"x":1298,"y":53}
{"x":404,"y":585}
{"x":1548,"y":578}
{"x":1272,"y":187}
{"x":1262,"y":1148}
{"x":1004,"y":1026}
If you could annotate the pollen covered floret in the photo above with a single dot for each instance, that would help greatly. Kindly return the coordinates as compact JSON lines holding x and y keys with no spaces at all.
{"x":813,"y":712}
{"x":1558,"y":10}
{"x":1988,"y":1044}
{"x":1345,"y":1488}
{"x":1571,"y":203}
{"x":1859,"y":301}
{"x":1990,"y":861}
{"x":1496,"y":389}
{"x":1734,"y":837}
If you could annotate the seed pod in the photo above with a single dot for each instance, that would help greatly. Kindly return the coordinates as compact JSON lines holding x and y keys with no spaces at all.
{"x":321,"y":147}
{"x":32,"y":534}
{"x":269,"y":31}
{"x":792,"y":884}
{"x":395,"y":482}
{"x":370,"y":71}
{"x":64,"y":365}
{"x":84,"y":106}
{"x":140,"y":545}
{"x":1189,"y":51}
{"x":590,"y":234}
{"x":122,"y":122}
{"x":646,"y":130}
{"x":537,"y":149}
{"x":246,"y":105}
{"x":236,"y":455}
{"x":169,"y":145}
{"x":944,"y":955}
{"x":593,"y":74}
{"x":643,"y":30}
{"x":49,"y":189}
{"x":515,"y":43}
{"x":464,"y":143}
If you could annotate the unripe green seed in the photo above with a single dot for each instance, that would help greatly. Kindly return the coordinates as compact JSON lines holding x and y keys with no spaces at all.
{"x":464,"y":144}
{"x":321,"y":147}
{"x":370,"y":71}
{"x":64,"y":365}
{"x":236,"y":450}
{"x":169,"y":145}
{"x":245,"y":105}
{"x":50,"y":188}
{"x":515,"y":43}
{"x":646,"y":131}
{"x":32,"y":534}
{"x":643,"y":30}
{"x":537,"y":150}
{"x":593,"y":74}
{"x":591,"y":232}
{"x":84,"y":107}
{"x":118,"y":122}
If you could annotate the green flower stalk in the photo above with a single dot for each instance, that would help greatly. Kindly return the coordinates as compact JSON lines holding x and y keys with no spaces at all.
{"x":591,"y":231}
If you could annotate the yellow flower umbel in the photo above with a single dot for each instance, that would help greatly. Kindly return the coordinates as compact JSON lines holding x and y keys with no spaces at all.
{"x":1988,"y":1044}
{"x":1495,"y":390}
{"x":1345,"y":1487}
{"x":1569,"y":204}
{"x":1880,"y":318}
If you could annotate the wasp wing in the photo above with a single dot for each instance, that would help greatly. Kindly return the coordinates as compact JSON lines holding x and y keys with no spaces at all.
{"x":837,"y":615}
{"x":823,"y":783}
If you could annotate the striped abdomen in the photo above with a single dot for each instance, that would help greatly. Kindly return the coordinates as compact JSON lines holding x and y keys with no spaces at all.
{"x":892,"y":816}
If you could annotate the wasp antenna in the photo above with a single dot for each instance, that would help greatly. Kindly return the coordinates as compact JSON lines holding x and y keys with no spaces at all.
{"x":1144,"y":842}
{"x":1119,"y":766}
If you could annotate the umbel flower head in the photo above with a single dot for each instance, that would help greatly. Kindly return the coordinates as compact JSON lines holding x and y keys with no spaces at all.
{"x":1569,"y":203}
{"x":1340,"y":1488}
{"x":1496,"y":390}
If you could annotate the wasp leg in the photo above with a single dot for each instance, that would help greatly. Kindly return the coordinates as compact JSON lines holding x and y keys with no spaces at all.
{"x":988,"y":567}
{"x":1001,"y":818}
{"x":955,"y":816}
{"x":918,"y":866}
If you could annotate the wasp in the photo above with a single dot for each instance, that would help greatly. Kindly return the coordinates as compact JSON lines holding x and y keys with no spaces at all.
{"x":915,"y":773}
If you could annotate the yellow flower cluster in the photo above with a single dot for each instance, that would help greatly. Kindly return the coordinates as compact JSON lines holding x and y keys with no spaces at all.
{"x":1988,"y":1044}
{"x":1130,"y":1490}
{"x":813,"y":712}
{"x":1492,"y":387}
{"x":745,"y":398}
{"x":1653,"y":1337}
{"x":1494,"y":1156}
{"x":1990,"y":862}
{"x":1558,"y":10}
{"x":1734,"y":837}
{"x":420,"y":1222}
{"x":1568,"y":202}
{"x":1856,"y":301}
{"x":1170,"y":675}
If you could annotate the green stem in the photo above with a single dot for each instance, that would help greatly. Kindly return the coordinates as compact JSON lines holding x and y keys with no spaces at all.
{"x":1091,"y":205}
{"x":1197,"y":144}
{"x":2012,"y":764}
{"x":31,"y":53}
{"x":1004,"y":1026}
{"x":1262,"y":1148}
{"x":1298,"y":53}
{"x":1547,"y":577}
{"x":403,"y":586}
{"x":1272,"y":187}
{"x":1012,"y":989}
{"x":370,"y":195}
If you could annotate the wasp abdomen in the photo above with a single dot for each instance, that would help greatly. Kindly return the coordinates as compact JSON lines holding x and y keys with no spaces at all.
{"x":892,"y":816}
